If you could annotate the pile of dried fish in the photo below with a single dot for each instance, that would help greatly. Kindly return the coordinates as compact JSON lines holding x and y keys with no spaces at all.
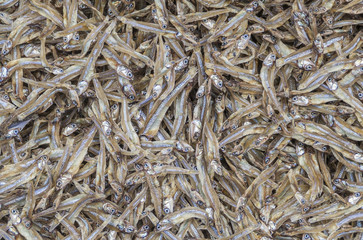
{"x":181,"y":119}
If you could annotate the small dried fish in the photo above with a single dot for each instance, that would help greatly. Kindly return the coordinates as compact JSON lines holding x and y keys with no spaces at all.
{"x":180,"y":119}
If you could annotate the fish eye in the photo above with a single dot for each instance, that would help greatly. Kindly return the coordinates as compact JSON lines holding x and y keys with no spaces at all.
{"x":357,"y":194}
{"x":273,"y":57}
{"x":114,"y":106}
{"x":255,"y":4}
{"x":73,"y":125}
{"x":158,"y":226}
{"x":306,"y":209}
{"x":294,"y":98}
{"x":330,"y":79}
{"x":153,"y":11}
{"x":16,"y":131}
{"x":131,"y":97}
{"x":220,"y":84}
{"x":167,"y":210}
{"x":308,"y":67}
{"x":324,"y":148}
{"x":186,"y":61}
{"x":59,"y":183}
{"x":279,"y":128}
{"x":267,"y":160}
{"x":245,"y":36}
{"x":22,"y":154}
{"x":360,"y":95}
{"x":164,"y":26}
{"x":138,"y":167}
{"x":131,"y":5}
{"x":223,"y":149}
{"x":336,"y":181}
{"x":146,"y":227}
{"x":200,"y":203}
{"x":306,"y":236}
{"x":130,"y":74}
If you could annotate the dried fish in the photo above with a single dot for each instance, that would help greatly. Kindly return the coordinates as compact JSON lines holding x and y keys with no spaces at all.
{"x":179,"y":119}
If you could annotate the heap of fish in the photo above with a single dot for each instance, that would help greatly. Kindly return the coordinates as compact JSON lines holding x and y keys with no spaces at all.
{"x":181,"y":119}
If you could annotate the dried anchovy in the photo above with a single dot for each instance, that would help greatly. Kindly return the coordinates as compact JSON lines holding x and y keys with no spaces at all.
{"x":181,"y":119}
